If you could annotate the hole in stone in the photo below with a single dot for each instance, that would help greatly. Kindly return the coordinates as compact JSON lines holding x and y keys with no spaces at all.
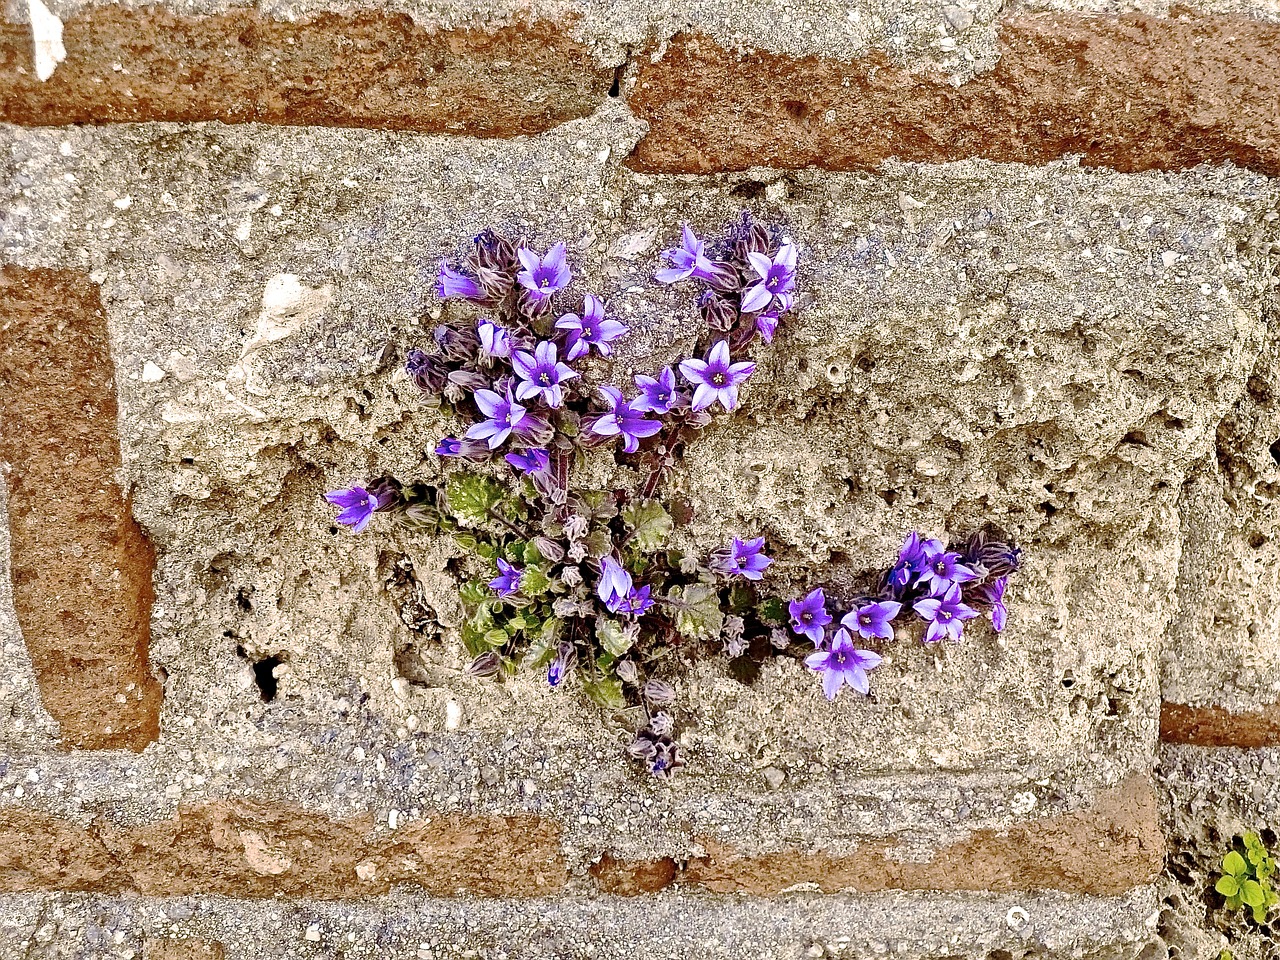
{"x":244,"y":599}
{"x":1068,"y":680}
{"x":615,"y":89}
{"x":888,"y":496}
{"x":748,"y":190}
{"x":1275,"y":450}
{"x":1256,"y":540}
{"x":264,"y":676}
{"x":796,"y":109}
{"x":1048,"y":508}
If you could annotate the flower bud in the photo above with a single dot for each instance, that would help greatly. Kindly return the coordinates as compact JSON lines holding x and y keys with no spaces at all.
{"x":658,"y":692}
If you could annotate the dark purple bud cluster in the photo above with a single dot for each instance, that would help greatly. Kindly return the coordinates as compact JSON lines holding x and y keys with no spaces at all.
{"x":943,"y":586}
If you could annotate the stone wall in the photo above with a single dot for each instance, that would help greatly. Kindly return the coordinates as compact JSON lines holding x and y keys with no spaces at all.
{"x":1039,"y":260}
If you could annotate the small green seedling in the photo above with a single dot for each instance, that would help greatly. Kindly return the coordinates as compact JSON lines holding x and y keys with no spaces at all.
{"x":1247,"y":878}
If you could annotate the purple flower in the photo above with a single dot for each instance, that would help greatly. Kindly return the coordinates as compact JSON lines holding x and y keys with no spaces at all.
{"x":530,"y":461}
{"x":623,"y":419}
{"x":716,"y":377}
{"x":809,"y":616}
{"x":615,"y":584}
{"x":689,"y":260}
{"x":453,"y":447}
{"x":872,"y":619}
{"x":508,"y":580}
{"x":544,"y":276}
{"x":911,"y":559}
{"x":941,"y":570}
{"x":777,"y":277}
{"x":993,"y":594}
{"x":541,"y":374}
{"x":657,"y":395}
{"x":843,"y":664}
{"x":637,"y":602}
{"x":358,"y":505}
{"x":566,"y":657}
{"x":767,"y":320}
{"x":503,"y":415}
{"x":946,"y":615}
{"x":454,"y":283}
{"x":590,"y":330}
{"x":495,"y":339}
{"x":744,"y":557}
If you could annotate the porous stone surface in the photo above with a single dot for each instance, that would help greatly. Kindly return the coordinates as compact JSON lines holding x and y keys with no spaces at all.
{"x":669,"y":925}
{"x":1214,"y":797}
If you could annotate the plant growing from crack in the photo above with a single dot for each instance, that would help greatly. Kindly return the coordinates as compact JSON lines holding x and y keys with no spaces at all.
{"x":581,"y":582}
{"x":1246,"y":878}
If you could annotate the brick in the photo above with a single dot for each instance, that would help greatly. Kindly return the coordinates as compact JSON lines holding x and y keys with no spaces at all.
{"x":1105,"y":849}
{"x":1131,"y":92}
{"x":361,"y":69}
{"x":260,"y":850}
{"x":186,"y":949}
{"x":1213,"y":726}
{"x":81,"y":566}
{"x":627,"y":878}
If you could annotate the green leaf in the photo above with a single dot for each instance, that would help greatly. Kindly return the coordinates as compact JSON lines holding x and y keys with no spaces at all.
{"x":605,"y":691}
{"x":496,"y":638}
{"x":602,"y":504}
{"x":742,"y":599}
{"x":773,"y":612}
{"x":531,"y":554}
{"x":1227,"y":886}
{"x":1252,"y":894}
{"x":533,"y":582}
{"x":467,"y":541}
{"x":1234,"y":903}
{"x":474,"y":591}
{"x":487,"y":550}
{"x":1259,"y":914}
{"x":612,"y":637}
{"x":1265,"y":868}
{"x":698,"y":613}
{"x":1234,"y":864}
{"x":471,"y":497}
{"x":598,"y":543}
{"x":475,"y":628}
{"x":649,"y":522}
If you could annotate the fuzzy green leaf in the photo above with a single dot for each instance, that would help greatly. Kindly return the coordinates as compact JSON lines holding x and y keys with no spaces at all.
{"x":605,"y":691}
{"x":1227,"y":886}
{"x":531,"y":554}
{"x":533,"y":582}
{"x":496,"y":638}
{"x":1234,"y":864}
{"x":742,"y":599}
{"x":649,"y":522}
{"x":475,"y":591}
{"x":612,"y":637}
{"x":471,"y":497}
{"x":598,"y":543}
{"x":698,"y":613}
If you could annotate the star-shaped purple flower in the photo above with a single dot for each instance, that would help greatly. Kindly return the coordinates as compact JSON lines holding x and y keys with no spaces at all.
{"x":542,"y":374}
{"x":809,"y":616}
{"x":623,"y":419}
{"x":543,"y":276}
{"x":614,"y":585}
{"x":767,"y":320}
{"x":454,"y":283}
{"x":494,"y":338}
{"x":636,"y":603}
{"x":529,"y":461}
{"x":842,"y":664}
{"x":946,"y":615}
{"x":358,"y":505}
{"x":744,"y":557}
{"x":566,"y":657}
{"x":776,"y":277}
{"x":503,"y":413}
{"x":507,"y":581}
{"x":716,"y":377}
{"x":911,"y":559}
{"x":657,"y":394}
{"x":941,"y":569}
{"x":592,"y":329}
{"x":873,"y":619}
{"x":689,"y":260}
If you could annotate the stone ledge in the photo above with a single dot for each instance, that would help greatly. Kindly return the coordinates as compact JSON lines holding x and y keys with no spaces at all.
{"x":1213,"y":726}
{"x":358,"y":69}
{"x":1131,"y":92}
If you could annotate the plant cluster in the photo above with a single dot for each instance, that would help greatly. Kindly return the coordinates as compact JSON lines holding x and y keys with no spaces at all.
{"x":1246,"y":878}
{"x":581,"y":582}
